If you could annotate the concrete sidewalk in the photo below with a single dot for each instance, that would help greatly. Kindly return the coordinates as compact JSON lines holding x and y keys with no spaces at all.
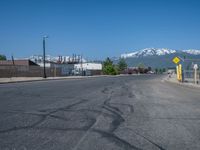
{"x":29,"y":79}
{"x":175,"y":81}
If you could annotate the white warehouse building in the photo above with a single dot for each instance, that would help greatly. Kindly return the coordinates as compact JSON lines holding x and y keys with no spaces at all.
{"x":88,"y":66}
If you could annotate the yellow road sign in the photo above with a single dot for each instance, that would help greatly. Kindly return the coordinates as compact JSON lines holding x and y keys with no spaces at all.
{"x":176,"y":60}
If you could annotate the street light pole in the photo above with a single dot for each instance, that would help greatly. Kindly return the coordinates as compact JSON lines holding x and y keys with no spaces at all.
{"x":44,"y":71}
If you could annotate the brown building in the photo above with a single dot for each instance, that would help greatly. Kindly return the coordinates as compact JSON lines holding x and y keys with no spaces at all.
{"x":17,"y":63}
{"x":20,"y":68}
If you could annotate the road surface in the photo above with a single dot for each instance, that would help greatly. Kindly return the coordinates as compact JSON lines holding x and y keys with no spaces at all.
{"x":104,"y":113}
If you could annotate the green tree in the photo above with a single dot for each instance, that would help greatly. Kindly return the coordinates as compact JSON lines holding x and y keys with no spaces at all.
{"x":122,"y":65}
{"x":108,"y":67}
{"x":149,"y":69}
{"x":163,"y":70}
{"x":156,"y":70}
{"x":160,"y":71}
{"x":141,"y":65}
{"x":2,"y":57}
{"x":107,"y":62}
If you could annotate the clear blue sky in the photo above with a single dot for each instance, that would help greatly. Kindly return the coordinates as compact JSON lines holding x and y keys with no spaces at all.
{"x":97,"y":28}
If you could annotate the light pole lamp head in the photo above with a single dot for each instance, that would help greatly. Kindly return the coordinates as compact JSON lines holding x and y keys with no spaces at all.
{"x":45,"y":37}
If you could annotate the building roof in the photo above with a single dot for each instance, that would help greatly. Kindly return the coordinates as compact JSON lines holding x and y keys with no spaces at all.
{"x":18,"y":62}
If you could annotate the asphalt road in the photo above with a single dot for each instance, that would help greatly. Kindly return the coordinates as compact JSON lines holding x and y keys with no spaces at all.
{"x":104,"y":113}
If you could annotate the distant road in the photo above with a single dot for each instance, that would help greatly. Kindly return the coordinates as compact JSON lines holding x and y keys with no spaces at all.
{"x":104,"y":113}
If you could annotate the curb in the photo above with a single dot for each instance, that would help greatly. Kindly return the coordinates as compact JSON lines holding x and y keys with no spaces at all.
{"x":65,"y":78}
{"x":182,"y":84}
{"x":53,"y":79}
{"x":42,"y":79}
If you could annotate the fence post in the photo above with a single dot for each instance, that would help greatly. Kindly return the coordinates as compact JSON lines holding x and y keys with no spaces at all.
{"x":195,"y":73}
{"x":195,"y":76}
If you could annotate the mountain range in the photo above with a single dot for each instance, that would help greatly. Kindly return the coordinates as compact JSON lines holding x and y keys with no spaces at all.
{"x":49,"y":58}
{"x":160,"y":57}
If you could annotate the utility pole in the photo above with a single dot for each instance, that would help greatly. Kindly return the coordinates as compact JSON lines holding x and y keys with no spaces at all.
{"x":13,"y":61}
{"x":44,"y":71}
{"x":82,"y":65}
{"x":14,"y":69}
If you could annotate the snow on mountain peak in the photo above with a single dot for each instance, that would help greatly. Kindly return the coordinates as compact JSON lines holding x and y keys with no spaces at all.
{"x":192,"y":51}
{"x":149,"y":52}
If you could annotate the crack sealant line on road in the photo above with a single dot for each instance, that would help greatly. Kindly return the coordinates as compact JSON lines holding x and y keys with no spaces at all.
{"x":87,"y":133}
{"x":92,"y":127}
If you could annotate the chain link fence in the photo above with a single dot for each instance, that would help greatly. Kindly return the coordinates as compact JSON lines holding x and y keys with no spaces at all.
{"x":189,"y":76}
{"x":189,"y":72}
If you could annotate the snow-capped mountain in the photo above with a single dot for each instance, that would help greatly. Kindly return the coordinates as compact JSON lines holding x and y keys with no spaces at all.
{"x":159,"y":57}
{"x":49,"y":58}
{"x":157,"y":52}
{"x":192,"y":51}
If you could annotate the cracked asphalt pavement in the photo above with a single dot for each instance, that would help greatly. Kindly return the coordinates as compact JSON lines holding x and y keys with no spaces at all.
{"x":103,"y":113}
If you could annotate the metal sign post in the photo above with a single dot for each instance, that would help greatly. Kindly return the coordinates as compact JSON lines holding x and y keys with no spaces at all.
{"x":179,"y":71}
{"x":195,"y":73}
